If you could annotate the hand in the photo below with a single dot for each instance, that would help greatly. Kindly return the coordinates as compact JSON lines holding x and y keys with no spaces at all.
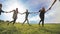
{"x":50,"y":8}
{"x":6,"y":12}
{"x":20,"y":13}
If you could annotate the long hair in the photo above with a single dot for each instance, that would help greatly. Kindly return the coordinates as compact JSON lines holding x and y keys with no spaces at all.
{"x":43,"y":9}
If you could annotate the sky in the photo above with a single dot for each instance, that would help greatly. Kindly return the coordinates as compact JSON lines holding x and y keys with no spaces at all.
{"x":52,"y":16}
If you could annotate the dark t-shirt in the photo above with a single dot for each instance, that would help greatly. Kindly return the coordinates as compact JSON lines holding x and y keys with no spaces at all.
{"x":1,"y":11}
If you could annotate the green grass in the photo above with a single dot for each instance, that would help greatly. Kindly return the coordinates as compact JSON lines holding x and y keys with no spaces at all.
{"x":26,"y":29}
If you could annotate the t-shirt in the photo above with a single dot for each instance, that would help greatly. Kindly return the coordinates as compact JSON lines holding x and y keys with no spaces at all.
{"x":15,"y":14}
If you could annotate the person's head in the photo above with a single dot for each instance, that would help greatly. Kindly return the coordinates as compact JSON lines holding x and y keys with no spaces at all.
{"x":43,"y":9}
{"x":16,"y":9}
{"x":0,"y":6}
{"x":26,"y":10}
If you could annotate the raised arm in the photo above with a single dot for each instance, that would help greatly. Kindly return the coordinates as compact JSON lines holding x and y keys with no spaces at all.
{"x":52,"y":5}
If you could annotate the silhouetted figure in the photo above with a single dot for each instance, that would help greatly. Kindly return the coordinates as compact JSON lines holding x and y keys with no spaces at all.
{"x":26,"y":17}
{"x":1,"y":11}
{"x":15,"y":13}
{"x":42,"y":14}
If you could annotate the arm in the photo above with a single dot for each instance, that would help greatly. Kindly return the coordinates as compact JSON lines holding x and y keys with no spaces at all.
{"x":3,"y":11}
{"x":19,"y":13}
{"x":52,"y":5}
{"x":33,"y":12}
{"x":9,"y":12}
{"x":22,"y":13}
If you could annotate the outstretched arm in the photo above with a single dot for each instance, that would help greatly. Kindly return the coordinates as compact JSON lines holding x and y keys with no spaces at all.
{"x":9,"y":12}
{"x":22,"y":13}
{"x":52,"y":5}
{"x":4,"y":11}
{"x":33,"y":12}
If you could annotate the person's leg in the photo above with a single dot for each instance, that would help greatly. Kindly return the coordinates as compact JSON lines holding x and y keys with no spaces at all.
{"x":9,"y":22}
{"x":40,"y":22}
{"x":28,"y":22}
{"x":14,"y":21}
{"x":43,"y":22}
{"x":24,"y":22}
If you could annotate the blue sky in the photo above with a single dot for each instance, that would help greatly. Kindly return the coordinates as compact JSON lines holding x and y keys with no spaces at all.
{"x":51,"y":16}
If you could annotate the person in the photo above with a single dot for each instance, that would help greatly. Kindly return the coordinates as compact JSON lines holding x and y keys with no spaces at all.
{"x":42,"y":13}
{"x":15,"y":13}
{"x":1,"y":11}
{"x":26,"y":17}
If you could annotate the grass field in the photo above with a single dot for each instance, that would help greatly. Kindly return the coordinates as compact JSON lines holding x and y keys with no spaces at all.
{"x":26,"y":29}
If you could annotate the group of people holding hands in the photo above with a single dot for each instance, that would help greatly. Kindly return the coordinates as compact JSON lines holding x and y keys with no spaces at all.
{"x":16,"y":12}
